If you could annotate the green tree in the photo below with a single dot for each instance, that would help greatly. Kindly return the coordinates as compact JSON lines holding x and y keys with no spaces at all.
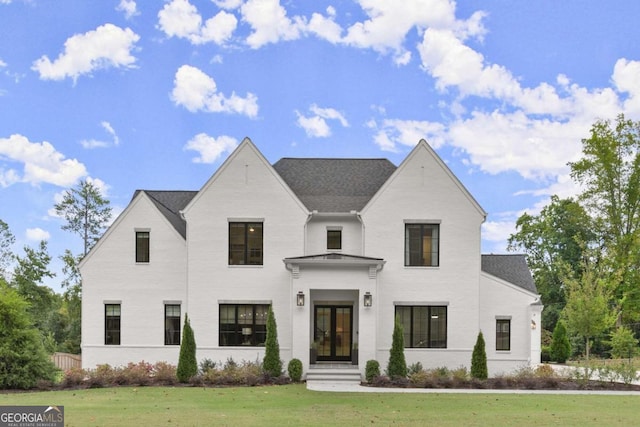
{"x":609,"y":172}
{"x":552,"y":237}
{"x":23,"y":360}
{"x":86,"y":213}
{"x":397,"y":366}
{"x":560,"y":345}
{"x":588,"y":311}
{"x":7,"y":239}
{"x":479,"y":368}
{"x":28,"y":275}
{"x":187,"y":363}
{"x":623,"y":343}
{"x":272,"y":363}
{"x":71,"y":308}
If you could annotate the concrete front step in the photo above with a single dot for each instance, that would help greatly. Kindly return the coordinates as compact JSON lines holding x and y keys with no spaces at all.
{"x":334,"y":374}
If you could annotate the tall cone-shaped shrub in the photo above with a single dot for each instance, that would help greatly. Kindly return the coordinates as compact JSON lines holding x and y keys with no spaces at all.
{"x":187,"y":364}
{"x":272,"y":363}
{"x":397,"y":367}
{"x":479,"y":359}
{"x":560,"y":345}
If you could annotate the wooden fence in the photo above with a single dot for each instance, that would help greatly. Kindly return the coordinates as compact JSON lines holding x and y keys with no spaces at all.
{"x":66,"y":361}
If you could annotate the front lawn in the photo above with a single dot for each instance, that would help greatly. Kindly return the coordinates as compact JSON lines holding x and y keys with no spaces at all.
{"x":295,"y":405}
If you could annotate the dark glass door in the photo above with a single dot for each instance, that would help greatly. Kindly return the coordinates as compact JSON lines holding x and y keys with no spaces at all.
{"x":333,"y":332}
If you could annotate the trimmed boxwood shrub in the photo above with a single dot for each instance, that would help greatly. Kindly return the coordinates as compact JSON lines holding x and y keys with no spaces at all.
{"x":294,"y":368}
{"x":371,"y":370}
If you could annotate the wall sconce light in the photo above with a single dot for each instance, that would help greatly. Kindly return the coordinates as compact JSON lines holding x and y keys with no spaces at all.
{"x":533,"y":324}
{"x":300,"y":299}
{"x":368,"y":299}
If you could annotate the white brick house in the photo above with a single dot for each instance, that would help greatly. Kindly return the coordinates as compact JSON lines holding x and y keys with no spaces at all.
{"x":338,"y":248}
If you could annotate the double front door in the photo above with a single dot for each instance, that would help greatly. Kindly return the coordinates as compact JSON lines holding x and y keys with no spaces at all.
{"x":333,"y":331}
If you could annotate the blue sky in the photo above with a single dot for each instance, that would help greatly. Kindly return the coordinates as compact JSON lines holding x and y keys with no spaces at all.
{"x":155,"y":95}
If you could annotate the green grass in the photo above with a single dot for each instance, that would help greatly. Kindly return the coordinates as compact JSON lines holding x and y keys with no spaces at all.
{"x":295,"y":405}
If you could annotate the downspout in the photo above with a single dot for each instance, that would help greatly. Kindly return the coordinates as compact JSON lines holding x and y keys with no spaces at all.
{"x":484,"y":218}
{"x":186,"y":273}
{"x":359,"y":218}
{"x":306,"y":223}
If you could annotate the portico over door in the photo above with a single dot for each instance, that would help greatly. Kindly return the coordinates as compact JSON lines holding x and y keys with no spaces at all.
{"x":333,"y":331}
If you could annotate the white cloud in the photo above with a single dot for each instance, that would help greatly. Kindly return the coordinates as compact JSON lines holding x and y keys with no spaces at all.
{"x":269,"y":22}
{"x":315,"y":126}
{"x":626,"y":78}
{"x":181,"y":19}
{"x":210,"y":148}
{"x":196,"y":91}
{"x":37,"y":234}
{"x":95,"y":143}
{"x":106,"y":46}
{"x":390,"y":21}
{"x":325,"y":27}
{"x":392,"y":134}
{"x":41,"y":163}
{"x":128,"y":7}
{"x":228,"y":4}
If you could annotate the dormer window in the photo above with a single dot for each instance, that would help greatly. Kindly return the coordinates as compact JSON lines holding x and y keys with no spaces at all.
{"x":334,"y":239}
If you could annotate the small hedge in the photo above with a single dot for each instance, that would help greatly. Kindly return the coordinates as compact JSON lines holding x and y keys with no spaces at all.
{"x":142,"y":373}
{"x":294,"y":368}
{"x":371,"y":370}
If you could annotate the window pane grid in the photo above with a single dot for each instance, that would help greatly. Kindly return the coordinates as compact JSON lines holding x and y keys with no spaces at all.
{"x":245,"y":243}
{"x":503,"y":334}
{"x":243,"y":324}
{"x":112,"y":324}
{"x":422,"y":244}
{"x":142,"y":246}
{"x":423,"y":326}
{"x":172,"y":324}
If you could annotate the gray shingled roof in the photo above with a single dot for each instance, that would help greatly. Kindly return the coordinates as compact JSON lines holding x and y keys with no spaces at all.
{"x":334,"y":185}
{"x":512,"y":268}
{"x":170,"y":203}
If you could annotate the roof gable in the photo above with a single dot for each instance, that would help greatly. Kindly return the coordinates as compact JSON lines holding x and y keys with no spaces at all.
{"x":246,"y":144}
{"x":424,"y":146}
{"x":512,"y":268}
{"x":334,"y":185}
{"x":168,"y":204}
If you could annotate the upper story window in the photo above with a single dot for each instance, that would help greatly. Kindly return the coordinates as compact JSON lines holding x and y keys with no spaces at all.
{"x":334,"y":239}
{"x":142,"y":246}
{"x":245,"y":243}
{"x":422,"y":245}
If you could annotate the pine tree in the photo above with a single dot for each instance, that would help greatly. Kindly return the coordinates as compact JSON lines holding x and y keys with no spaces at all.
{"x":397,"y":367}
{"x":560,"y":345}
{"x":187,"y":364}
{"x":479,"y":359}
{"x":272,"y":363}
